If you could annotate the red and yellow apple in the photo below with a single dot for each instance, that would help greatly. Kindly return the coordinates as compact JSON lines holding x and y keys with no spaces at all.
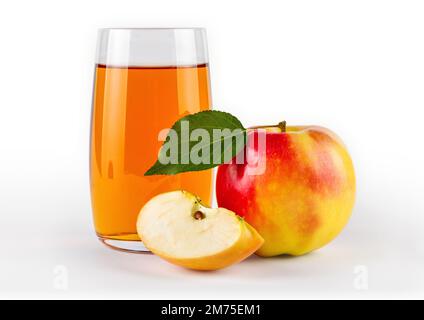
{"x":303,"y":198}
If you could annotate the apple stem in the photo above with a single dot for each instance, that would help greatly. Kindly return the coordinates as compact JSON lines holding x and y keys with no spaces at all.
{"x":282,"y":126}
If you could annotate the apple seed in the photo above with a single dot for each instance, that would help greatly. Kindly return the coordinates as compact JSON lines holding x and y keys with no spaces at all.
{"x":198,"y":215}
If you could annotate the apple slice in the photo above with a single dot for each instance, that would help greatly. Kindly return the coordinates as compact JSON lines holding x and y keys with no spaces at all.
{"x":178,"y":228}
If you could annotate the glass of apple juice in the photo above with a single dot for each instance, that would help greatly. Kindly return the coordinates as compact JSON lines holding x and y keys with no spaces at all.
{"x":145,"y":80}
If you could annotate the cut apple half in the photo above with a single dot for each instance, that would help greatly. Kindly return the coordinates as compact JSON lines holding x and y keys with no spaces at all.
{"x":178,"y":228}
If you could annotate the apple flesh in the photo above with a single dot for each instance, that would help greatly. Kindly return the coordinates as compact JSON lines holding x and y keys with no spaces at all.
{"x":304,"y":197}
{"x":178,"y":228}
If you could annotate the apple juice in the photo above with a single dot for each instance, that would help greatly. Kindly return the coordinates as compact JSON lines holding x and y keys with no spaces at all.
{"x":131,"y":106}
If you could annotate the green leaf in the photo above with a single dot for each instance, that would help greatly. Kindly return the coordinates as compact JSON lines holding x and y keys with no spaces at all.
{"x":200,"y":141}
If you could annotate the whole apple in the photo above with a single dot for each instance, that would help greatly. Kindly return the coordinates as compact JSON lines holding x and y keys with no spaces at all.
{"x":302,"y":199}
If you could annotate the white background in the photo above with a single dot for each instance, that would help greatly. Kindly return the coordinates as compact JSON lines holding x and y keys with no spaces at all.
{"x":356,"y":67}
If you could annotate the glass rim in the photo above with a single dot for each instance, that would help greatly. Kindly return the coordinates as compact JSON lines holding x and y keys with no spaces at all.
{"x":153,"y":29}
{"x":149,"y":47}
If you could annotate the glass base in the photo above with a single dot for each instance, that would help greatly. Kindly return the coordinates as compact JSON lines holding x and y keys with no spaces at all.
{"x":125,"y":246}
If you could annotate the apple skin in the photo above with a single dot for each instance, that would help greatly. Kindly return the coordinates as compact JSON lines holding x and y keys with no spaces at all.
{"x":247,"y":244}
{"x":305,"y":196}
{"x":156,"y":230}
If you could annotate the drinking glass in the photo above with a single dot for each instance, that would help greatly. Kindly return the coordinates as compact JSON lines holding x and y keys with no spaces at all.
{"x":145,"y":80}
